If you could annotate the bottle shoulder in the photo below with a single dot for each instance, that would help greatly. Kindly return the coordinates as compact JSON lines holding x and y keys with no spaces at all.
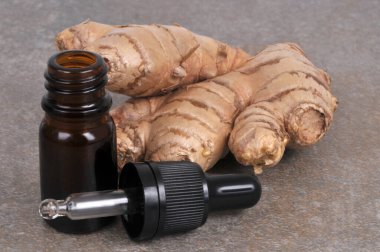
{"x":76,"y":135}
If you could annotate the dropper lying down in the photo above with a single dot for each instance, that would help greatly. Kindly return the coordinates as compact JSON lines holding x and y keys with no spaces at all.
{"x":158,"y":198}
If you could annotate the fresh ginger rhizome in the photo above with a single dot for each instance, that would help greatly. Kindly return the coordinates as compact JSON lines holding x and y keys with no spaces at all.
{"x":194,"y":97}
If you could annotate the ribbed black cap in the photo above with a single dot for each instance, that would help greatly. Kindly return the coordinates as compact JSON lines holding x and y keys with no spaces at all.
{"x":183,"y":195}
{"x":173,"y":197}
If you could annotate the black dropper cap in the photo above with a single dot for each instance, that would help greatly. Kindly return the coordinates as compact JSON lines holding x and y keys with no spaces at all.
{"x":172,"y":197}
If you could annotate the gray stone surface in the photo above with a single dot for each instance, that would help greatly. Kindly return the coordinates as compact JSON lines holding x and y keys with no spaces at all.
{"x":324,"y":198}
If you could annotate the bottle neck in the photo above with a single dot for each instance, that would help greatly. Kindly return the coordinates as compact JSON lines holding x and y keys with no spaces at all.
{"x":75,"y":81}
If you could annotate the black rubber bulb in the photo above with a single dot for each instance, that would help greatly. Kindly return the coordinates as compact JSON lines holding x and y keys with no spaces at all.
{"x":232,"y":191}
{"x":159,"y":198}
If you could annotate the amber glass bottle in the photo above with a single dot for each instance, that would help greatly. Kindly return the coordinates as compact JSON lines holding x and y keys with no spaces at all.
{"x":77,"y":135}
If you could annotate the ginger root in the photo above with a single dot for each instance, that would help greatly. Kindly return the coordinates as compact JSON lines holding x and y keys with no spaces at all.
{"x":292,"y":105}
{"x":145,"y":60}
{"x":278,"y":97}
{"x":253,"y":106}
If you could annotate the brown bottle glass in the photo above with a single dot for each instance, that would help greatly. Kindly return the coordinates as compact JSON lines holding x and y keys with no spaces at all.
{"x":77,"y":135}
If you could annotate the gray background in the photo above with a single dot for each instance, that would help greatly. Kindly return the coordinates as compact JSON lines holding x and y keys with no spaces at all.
{"x":324,"y":198}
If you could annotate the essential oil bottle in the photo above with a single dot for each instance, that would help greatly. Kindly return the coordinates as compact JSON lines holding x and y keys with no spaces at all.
{"x":77,"y":134}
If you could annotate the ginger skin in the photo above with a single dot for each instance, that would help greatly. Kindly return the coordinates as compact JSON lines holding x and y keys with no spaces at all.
{"x":253,"y":106}
{"x":146,"y":60}
{"x":292,"y":105}
{"x":276,"y":99}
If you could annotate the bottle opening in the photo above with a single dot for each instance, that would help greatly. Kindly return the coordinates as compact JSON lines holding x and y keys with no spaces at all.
{"x":76,"y":71}
{"x":76,"y":59}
